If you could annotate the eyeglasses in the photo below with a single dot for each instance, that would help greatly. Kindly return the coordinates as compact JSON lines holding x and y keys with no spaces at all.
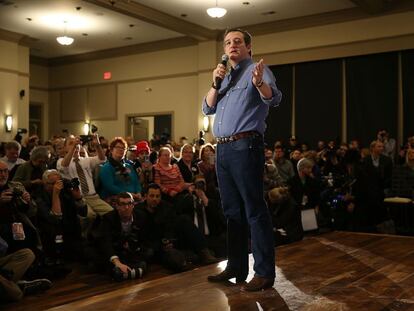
{"x":120,"y":148}
{"x":125,"y":204}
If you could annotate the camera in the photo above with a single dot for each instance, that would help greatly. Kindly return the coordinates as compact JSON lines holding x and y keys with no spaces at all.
{"x":201,"y":141}
{"x":69,"y":184}
{"x":87,"y":138}
{"x":137,"y":271}
{"x":200,"y":184}
{"x":17,"y":192}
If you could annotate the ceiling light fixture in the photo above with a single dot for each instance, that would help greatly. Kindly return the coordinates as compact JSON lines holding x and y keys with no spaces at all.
{"x":65,"y":40}
{"x":216,"y":12}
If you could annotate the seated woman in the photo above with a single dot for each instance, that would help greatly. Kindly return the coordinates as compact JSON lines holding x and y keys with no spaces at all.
{"x":116,"y":175}
{"x":186,"y":164}
{"x":167,"y":175}
{"x":207,"y":167}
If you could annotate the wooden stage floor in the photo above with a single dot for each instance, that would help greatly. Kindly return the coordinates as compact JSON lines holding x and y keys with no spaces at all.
{"x":333,"y":271}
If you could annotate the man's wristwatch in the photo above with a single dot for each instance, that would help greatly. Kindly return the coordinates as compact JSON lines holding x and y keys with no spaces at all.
{"x":214,"y":86}
{"x":259,"y":85}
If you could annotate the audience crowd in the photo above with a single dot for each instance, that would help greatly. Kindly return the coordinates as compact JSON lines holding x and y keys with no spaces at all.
{"x":119,"y":206}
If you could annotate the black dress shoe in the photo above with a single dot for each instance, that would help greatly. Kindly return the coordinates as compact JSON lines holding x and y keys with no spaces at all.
{"x":258,"y":283}
{"x":225,"y":276}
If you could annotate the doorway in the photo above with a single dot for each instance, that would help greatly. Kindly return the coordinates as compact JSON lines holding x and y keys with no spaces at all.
{"x":150,"y":126}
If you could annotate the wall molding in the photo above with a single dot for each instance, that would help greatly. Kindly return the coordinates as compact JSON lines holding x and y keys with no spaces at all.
{"x":17,"y":72}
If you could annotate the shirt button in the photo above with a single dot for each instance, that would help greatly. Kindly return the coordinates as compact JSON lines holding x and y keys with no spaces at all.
{"x":219,"y":122}
{"x":222,"y":108}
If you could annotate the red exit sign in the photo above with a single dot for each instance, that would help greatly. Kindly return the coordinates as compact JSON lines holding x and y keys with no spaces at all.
{"x":107,"y":75}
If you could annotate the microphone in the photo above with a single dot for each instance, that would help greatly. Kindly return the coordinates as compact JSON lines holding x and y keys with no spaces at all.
{"x":224,"y":59}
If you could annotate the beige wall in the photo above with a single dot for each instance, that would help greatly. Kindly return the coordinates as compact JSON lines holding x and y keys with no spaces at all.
{"x":179,"y":77}
{"x":14,"y":76}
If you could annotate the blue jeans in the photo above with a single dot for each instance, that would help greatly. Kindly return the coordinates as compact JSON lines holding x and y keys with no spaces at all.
{"x":240,"y":166}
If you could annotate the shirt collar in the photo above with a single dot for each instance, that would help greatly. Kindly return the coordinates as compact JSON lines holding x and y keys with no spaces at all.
{"x":241,"y":65}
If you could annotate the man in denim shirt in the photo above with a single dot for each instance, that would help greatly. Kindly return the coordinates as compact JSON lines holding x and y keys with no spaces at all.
{"x":241,"y":105}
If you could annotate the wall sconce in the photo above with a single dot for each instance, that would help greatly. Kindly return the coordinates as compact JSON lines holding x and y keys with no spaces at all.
{"x":86,"y":128}
{"x":206,"y":124}
{"x":8,"y":121}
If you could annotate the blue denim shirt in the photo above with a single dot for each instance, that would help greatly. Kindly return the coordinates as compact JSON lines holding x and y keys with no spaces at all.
{"x":240,"y":107}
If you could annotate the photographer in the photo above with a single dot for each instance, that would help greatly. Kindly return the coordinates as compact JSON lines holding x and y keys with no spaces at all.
{"x":59,"y":204}
{"x":120,"y":241}
{"x":174,"y":238}
{"x":75,"y":166}
{"x":208,"y":216}
{"x":16,"y":207}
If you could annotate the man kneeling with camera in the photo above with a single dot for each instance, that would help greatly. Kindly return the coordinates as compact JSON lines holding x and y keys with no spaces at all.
{"x":59,"y":204}
{"x":119,"y":241}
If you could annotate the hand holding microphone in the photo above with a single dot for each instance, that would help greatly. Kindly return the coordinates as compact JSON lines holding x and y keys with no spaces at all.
{"x":220,"y":72}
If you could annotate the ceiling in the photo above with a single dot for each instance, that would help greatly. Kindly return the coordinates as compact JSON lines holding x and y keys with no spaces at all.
{"x":98,"y":25}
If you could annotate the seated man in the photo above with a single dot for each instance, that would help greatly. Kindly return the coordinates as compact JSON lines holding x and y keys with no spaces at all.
{"x":15,"y":206}
{"x":12,"y":269}
{"x":75,"y":166}
{"x":59,"y":203}
{"x":11,"y":157}
{"x":120,"y":241}
{"x":30,"y":172}
{"x":169,"y":234}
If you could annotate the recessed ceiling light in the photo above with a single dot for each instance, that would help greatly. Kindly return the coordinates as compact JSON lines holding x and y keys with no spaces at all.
{"x":85,"y":34}
{"x":183,"y":15}
{"x":131,"y":25}
{"x":29,"y":19}
{"x":246,"y":3}
{"x":269,"y":13}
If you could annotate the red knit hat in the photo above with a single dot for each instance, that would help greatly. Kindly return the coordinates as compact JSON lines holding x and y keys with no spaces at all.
{"x":142,"y":146}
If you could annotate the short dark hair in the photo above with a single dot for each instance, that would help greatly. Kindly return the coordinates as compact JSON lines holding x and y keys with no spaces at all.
{"x":153,"y":186}
{"x":246,"y":36}
{"x":124,"y":195}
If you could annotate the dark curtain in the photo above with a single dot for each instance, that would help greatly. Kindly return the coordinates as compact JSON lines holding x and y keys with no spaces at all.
{"x":318,"y":88}
{"x":279,"y":120}
{"x":372,"y":96}
{"x":407,"y":58}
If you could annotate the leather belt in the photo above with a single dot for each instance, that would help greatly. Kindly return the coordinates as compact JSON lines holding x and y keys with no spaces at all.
{"x":229,"y":139}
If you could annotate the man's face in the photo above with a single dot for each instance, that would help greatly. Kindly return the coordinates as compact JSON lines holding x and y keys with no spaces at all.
{"x":235,"y":47}
{"x":125,"y":207}
{"x":153,"y":197}
{"x":410,"y":155}
{"x":296,"y":155}
{"x":4,"y":174}
{"x":12,"y":154}
{"x":279,"y":154}
{"x":378,"y":148}
{"x":268,"y":154}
